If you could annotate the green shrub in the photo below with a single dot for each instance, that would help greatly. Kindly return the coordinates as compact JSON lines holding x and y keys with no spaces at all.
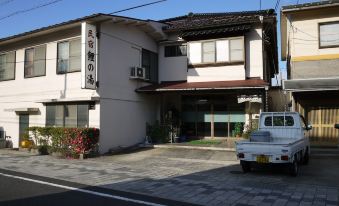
{"x":238,"y":128}
{"x":159,"y":133}
{"x":69,"y":141}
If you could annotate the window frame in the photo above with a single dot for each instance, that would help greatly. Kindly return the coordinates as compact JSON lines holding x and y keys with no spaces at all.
{"x":148,"y":74}
{"x":45,"y":58}
{"x":177,"y":49}
{"x":57,"y":60}
{"x":217,"y":63}
{"x":319,"y":42}
{"x":64,"y":112}
{"x":5,"y":53}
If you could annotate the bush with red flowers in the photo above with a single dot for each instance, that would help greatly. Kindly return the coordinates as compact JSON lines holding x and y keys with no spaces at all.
{"x":70,"y":142}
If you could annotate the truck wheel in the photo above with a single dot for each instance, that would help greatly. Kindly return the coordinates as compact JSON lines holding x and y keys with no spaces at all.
{"x":294,"y":168}
{"x":306,"y":158}
{"x":246,"y":166}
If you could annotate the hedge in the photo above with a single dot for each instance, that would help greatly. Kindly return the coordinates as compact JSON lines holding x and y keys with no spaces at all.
{"x":70,"y":142}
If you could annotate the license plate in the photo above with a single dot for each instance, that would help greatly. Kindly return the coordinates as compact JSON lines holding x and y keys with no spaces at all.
{"x":262,"y":159}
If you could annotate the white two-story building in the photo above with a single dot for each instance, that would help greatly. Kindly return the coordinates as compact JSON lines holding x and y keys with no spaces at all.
{"x":205,"y":71}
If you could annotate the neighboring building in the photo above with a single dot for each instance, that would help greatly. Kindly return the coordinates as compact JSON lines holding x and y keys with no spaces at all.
{"x":215,"y":70}
{"x":310,"y":44}
{"x":98,"y":71}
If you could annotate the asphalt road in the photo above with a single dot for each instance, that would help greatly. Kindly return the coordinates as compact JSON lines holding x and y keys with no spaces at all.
{"x":29,"y":190}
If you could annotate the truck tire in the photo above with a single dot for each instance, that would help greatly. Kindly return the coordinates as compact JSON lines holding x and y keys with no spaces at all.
{"x":306,"y":158}
{"x":246,"y":166}
{"x":294,"y":168}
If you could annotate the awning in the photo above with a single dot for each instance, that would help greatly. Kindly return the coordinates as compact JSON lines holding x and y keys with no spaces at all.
{"x":311,"y":84}
{"x":201,"y":86}
{"x":23,"y":110}
{"x":78,"y":99}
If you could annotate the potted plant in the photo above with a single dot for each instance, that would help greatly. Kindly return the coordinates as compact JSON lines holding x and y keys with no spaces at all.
{"x":238,"y":129}
{"x":26,"y":142}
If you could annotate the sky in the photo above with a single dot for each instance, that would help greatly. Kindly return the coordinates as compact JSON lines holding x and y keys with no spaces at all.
{"x":64,"y":10}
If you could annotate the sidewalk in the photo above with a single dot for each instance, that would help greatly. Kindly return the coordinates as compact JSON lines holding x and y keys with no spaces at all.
{"x":170,"y":174}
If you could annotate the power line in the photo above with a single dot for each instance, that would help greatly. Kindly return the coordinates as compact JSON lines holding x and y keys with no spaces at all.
{"x":6,"y":2}
{"x":30,"y":9}
{"x":139,"y":6}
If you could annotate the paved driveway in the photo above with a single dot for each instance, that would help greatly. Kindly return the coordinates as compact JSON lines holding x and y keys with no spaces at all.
{"x":200,"y":177}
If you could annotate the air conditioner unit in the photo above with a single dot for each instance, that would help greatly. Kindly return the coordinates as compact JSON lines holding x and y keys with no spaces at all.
{"x":138,"y":73}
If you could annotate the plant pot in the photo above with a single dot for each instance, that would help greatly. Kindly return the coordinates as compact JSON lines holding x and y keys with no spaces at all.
{"x":26,"y":143}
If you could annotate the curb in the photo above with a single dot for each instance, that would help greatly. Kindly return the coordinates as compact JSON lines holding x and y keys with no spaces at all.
{"x":190,"y":147}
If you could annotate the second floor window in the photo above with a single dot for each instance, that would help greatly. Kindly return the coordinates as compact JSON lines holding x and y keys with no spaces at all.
{"x":329,"y":34}
{"x":69,"y":56}
{"x":35,"y":61}
{"x":150,"y":63}
{"x":217,"y":51}
{"x":7,"y":66}
{"x":175,"y":50}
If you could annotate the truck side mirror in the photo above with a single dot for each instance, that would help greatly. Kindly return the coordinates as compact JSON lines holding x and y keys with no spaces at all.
{"x":308,"y":127}
{"x":336,"y":126}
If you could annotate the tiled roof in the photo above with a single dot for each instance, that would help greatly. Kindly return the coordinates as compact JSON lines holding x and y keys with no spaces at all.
{"x":223,"y":30}
{"x":193,"y":86}
{"x":207,"y":20}
{"x":310,"y":5}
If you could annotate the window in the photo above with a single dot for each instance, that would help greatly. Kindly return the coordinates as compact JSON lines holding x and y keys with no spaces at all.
{"x":7,"y":66}
{"x":175,"y":50}
{"x":217,"y":51}
{"x":329,"y":34}
{"x":69,"y":56}
{"x":208,"y":52}
{"x":67,"y":115}
{"x":279,"y":121}
{"x":150,"y":63}
{"x":35,"y":61}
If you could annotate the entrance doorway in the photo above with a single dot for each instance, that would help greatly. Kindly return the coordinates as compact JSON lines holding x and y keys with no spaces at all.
{"x":23,"y":125}
{"x":212,"y":116}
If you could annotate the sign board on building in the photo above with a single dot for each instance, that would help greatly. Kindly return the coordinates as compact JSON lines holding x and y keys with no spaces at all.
{"x":88,"y":56}
{"x":249,"y":98}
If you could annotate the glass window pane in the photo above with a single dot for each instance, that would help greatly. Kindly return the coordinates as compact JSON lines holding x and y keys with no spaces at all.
{"x":223,"y":51}
{"x":329,"y":34}
{"x":63,"y":54}
{"x":237,"y":49}
{"x":10,"y":65}
{"x":7,"y":66}
{"x":50,"y":115}
{"x":70,"y":115}
{"x":208,"y":52}
{"x":75,"y":55}
{"x":39,"y":61}
{"x":59,"y":115}
{"x":83,"y":115}
{"x":29,"y":55}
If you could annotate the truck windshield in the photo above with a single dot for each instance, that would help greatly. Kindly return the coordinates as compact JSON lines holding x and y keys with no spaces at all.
{"x":279,"y":121}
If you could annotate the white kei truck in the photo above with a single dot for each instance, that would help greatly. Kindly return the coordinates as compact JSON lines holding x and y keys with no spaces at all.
{"x":282,"y":138}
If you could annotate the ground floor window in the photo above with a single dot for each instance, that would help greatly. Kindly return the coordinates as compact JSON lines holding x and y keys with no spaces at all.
{"x":210,"y":116}
{"x":67,"y":115}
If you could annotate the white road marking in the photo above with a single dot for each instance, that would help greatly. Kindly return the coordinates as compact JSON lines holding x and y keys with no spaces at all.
{"x":83,"y":190}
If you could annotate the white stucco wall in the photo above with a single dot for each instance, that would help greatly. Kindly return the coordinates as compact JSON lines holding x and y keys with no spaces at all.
{"x":29,"y":92}
{"x":254,"y":58}
{"x":253,"y":66}
{"x":224,"y":73}
{"x":171,"y":68}
{"x":124,"y":113}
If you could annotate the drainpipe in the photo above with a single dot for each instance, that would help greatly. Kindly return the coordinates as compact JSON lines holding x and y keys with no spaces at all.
{"x":266,"y":98}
